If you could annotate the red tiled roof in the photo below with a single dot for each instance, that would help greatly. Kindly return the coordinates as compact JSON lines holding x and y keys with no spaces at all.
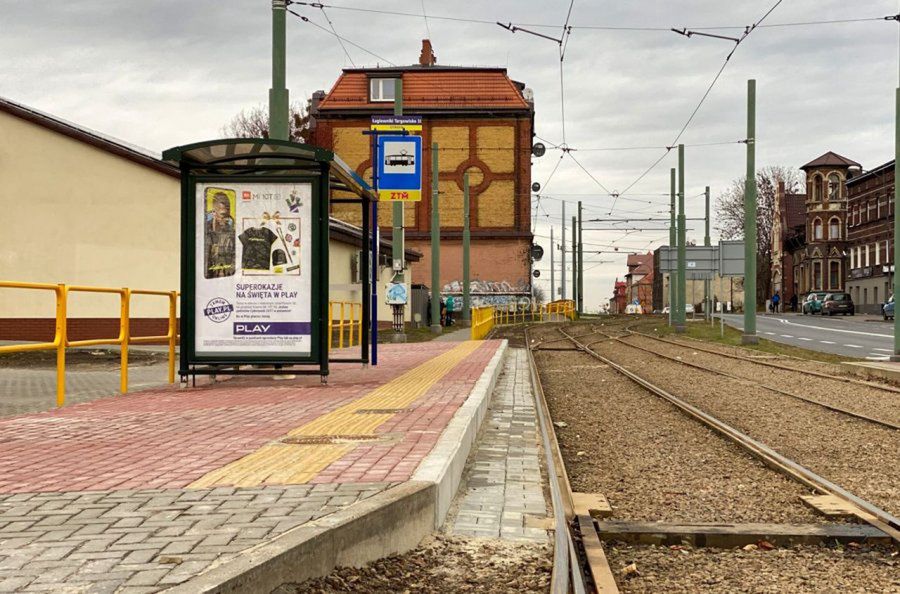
{"x":430,"y":87}
{"x":831,"y":159}
{"x":794,"y":210}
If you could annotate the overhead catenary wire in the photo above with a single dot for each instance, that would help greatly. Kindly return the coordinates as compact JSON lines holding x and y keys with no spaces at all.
{"x":341,"y":41}
{"x":306,"y":19}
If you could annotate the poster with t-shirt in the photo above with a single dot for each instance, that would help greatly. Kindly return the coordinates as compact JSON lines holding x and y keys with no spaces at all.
{"x":261,"y":301}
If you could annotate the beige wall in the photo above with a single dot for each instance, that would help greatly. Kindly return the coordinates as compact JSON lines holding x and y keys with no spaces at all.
{"x":723,"y":288}
{"x":72,"y":213}
{"x":340,"y":287}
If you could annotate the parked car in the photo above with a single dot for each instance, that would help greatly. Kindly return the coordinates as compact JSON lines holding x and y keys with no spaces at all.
{"x":887,"y":309}
{"x":689,"y":308}
{"x":813,"y":302}
{"x":838,"y":303}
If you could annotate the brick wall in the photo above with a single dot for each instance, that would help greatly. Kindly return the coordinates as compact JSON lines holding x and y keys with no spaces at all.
{"x":42,"y":329}
{"x":495,"y":260}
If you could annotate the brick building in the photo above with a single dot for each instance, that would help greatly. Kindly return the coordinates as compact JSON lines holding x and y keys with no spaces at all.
{"x":618,"y":302}
{"x":817,"y":257}
{"x":482,"y":121}
{"x":639,"y":280}
{"x":788,"y":239}
{"x":870,"y":229}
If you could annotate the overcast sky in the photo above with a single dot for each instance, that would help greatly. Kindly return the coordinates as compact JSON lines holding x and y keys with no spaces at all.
{"x":159,"y":73}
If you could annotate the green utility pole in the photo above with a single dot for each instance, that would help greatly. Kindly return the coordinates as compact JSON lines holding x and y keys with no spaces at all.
{"x":896,"y":355}
{"x":435,"y":244}
{"x":580,"y":302}
{"x":279,"y":112}
{"x":708,"y":281}
{"x":680,"y":325}
{"x":673,"y":298}
{"x":563,"y":278}
{"x":398,"y":241}
{"x":749,"y":336}
{"x":574,"y":262}
{"x":467,"y":238}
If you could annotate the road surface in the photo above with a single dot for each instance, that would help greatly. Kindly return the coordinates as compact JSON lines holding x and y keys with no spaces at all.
{"x":863,"y":337}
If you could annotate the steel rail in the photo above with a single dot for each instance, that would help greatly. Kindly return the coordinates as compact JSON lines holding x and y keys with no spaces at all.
{"x":565,"y":558}
{"x":864,"y":510}
{"x":825,"y":405}
{"x":850,"y":380}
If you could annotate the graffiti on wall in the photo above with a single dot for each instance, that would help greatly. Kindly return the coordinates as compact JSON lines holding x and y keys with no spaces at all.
{"x":500,"y":294}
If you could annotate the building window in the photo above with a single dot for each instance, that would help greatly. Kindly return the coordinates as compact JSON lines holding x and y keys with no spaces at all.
{"x":877,"y":254}
{"x":817,"y":187}
{"x":874,"y":294}
{"x":871,"y":214}
{"x":834,"y":275}
{"x":867,"y":254}
{"x":879,"y":207}
{"x":865,"y":295}
{"x":817,"y":228}
{"x":834,"y":228}
{"x":817,"y":276}
{"x":834,"y":187}
{"x":381,"y":89}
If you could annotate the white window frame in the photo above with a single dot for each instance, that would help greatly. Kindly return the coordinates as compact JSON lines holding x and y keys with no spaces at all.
{"x":378,"y":83}
{"x":867,"y":254}
{"x":877,"y":254}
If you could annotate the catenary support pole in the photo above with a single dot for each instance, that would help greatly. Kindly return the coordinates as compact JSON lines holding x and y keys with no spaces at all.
{"x":672,"y":243}
{"x":435,"y":244}
{"x":563,"y":252}
{"x":552,"y":267}
{"x":574,"y":260}
{"x":706,"y":282}
{"x":580,"y":301}
{"x":680,"y":325}
{"x":749,"y":336}
{"x":467,"y":239}
{"x":398,"y":239}
{"x":278,"y":94}
{"x":896,"y":355}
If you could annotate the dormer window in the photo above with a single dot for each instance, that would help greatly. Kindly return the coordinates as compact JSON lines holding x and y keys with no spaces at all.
{"x":381,"y":89}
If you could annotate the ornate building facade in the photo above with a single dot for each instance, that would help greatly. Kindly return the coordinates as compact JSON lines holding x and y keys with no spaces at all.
{"x":819,"y":262}
{"x":482,"y":121}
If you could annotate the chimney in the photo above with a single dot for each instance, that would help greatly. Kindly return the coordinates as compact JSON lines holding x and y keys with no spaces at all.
{"x":427,"y":57}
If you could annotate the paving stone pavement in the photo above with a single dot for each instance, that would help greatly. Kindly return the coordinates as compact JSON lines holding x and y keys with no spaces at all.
{"x":148,"y":540}
{"x":34,"y":390}
{"x":502,"y":494}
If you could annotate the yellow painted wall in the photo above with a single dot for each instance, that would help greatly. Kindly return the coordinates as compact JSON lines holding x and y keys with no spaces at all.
{"x":71,"y":213}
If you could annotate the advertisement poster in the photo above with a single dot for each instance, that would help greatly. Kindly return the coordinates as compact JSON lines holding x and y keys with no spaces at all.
{"x":253,"y":281}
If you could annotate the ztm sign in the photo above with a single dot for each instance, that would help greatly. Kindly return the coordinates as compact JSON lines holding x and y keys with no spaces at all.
{"x":400,"y":168}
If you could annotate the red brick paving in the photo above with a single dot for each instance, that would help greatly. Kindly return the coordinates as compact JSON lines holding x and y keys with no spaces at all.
{"x":167,"y":438}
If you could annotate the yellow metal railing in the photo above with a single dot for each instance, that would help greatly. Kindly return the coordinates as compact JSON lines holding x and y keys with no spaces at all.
{"x":123,"y":340}
{"x":482,"y":321}
{"x":554,"y":311}
{"x":349,"y":323}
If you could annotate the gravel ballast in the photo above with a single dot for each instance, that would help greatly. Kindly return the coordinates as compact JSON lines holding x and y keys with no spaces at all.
{"x":444,"y":564}
{"x":652,"y":462}
{"x":871,"y":401}
{"x":853,"y":453}
{"x":799,"y":570}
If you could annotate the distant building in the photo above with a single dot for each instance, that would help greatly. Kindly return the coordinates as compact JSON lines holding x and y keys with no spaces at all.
{"x":788,"y":238}
{"x":639,"y":280}
{"x":722,"y":289}
{"x":618,"y":302}
{"x":870,"y":229}
{"x":483,"y":122}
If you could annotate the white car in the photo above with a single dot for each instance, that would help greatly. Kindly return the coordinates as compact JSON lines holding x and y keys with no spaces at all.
{"x":689,"y":308}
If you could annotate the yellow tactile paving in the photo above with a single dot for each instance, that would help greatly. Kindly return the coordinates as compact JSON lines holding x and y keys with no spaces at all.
{"x":288,"y":464}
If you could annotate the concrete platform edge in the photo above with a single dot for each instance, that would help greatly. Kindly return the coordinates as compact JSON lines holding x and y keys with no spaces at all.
{"x":875,"y":370}
{"x":444,"y":465}
{"x":394,"y":521}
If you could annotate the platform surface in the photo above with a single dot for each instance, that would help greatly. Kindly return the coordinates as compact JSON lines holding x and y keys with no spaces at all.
{"x":140,"y":492}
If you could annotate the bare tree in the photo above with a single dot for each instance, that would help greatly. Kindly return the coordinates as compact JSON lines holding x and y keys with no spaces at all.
{"x":730,"y":218}
{"x":539,"y":296}
{"x":254,"y":123}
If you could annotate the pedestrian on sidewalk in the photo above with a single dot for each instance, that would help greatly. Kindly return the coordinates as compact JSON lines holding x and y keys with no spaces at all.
{"x":794,"y":303}
{"x":443,"y":305}
{"x":776,"y":300}
{"x":451,"y":304}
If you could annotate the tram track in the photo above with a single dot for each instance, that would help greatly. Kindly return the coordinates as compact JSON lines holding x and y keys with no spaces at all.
{"x":860,"y":508}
